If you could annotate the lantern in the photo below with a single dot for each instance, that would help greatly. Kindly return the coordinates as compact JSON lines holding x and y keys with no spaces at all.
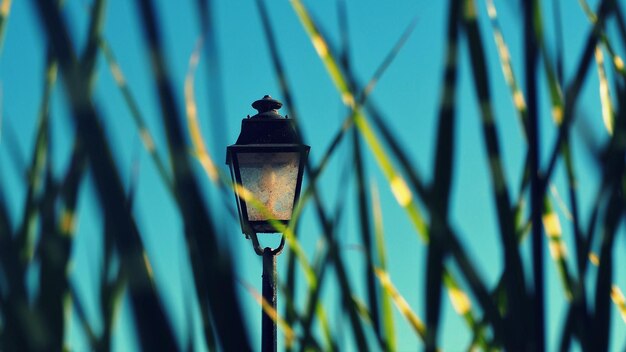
{"x":268,"y":160}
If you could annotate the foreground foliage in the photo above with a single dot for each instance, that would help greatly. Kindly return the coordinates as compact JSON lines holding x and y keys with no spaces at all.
{"x":509,"y":316}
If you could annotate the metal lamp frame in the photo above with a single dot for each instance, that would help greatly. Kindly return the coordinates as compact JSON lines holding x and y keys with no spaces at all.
{"x":263,"y":226}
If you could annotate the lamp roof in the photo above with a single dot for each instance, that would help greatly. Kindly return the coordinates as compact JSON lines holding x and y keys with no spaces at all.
{"x":267,"y":126}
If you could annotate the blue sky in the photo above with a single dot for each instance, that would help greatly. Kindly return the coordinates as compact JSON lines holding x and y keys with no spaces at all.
{"x":408,"y":94}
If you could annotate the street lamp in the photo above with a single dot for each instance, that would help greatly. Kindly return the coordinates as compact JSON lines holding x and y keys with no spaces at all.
{"x":268,"y":161}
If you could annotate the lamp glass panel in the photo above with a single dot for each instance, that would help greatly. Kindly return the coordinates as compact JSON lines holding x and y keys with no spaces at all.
{"x":271,"y":178}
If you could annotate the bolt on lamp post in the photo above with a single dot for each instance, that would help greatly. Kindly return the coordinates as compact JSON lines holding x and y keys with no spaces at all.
{"x":268,"y":160}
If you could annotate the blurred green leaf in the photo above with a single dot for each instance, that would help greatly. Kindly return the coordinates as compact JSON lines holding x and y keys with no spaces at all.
{"x":401,"y":304}
{"x":387,"y":315}
{"x":5,"y":11}
{"x":516,"y":315}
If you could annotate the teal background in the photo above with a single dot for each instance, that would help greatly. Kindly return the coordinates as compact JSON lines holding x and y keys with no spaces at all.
{"x":408,"y":94}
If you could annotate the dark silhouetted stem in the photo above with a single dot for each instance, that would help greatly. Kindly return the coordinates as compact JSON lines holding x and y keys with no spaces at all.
{"x":536,"y":189}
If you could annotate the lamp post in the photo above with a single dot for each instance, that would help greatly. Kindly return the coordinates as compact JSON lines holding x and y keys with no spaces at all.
{"x":268,"y":161}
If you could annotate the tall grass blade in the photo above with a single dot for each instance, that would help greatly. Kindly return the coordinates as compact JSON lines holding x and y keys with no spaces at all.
{"x":12,"y":335}
{"x":144,"y":133}
{"x":621,"y":23}
{"x":313,"y":305}
{"x":363,"y":200}
{"x":55,"y":243}
{"x":290,"y":284}
{"x":558,"y":30}
{"x":322,"y":316}
{"x":442,"y":181}
{"x":11,"y":141}
{"x":389,"y":332}
{"x":342,"y":84}
{"x":573,"y":198}
{"x":517,"y":306}
{"x":82,"y":317}
{"x":208,"y":29}
{"x":5,"y":225}
{"x":617,"y":61}
{"x":455,"y":247}
{"x":22,"y":326}
{"x":556,"y":245}
{"x":614,"y":168}
{"x":578,"y":318}
{"x":200,"y":150}
{"x":605,"y":8}
{"x":382,"y":68}
{"x":111,"y":301}
{"x":463,"y":306}
{"x":582,"y":245}
{"x":399,"y":188}
{"x":9,"y":257}
{"x":398,"y":152}
{"x":346,"y":299}
{"x":5,"y":10}
{"x":70,"y":189}
{"x":201,"y":153}
{"x":26,"y":235}
{"x":403,"y":194}
{"x":550,"y":219}
{"x":53,"y":251}
{"x":348,"y":98}
{"x":113,"y":280}
{"x":290,"y":335}
{"x":362,"y":195}
{"x":605,"y":94}
{"x":199,"y":227}
{"x":154,"y":329}
{"x":277,"y":62}
{"x":588,"y":11}
{"x":617,"y":296}
{"x":51,"y":306}
{"x":89,"y":58}
{"x":55,"y":246}
{"x":322,"y":49}
{"x":601,"y":322}
{"x":363,"y":309}
{"x":560,"y":203}
{"x":401,"y":304}
{"x":344,"y":33}
{"x":507,"y":68}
